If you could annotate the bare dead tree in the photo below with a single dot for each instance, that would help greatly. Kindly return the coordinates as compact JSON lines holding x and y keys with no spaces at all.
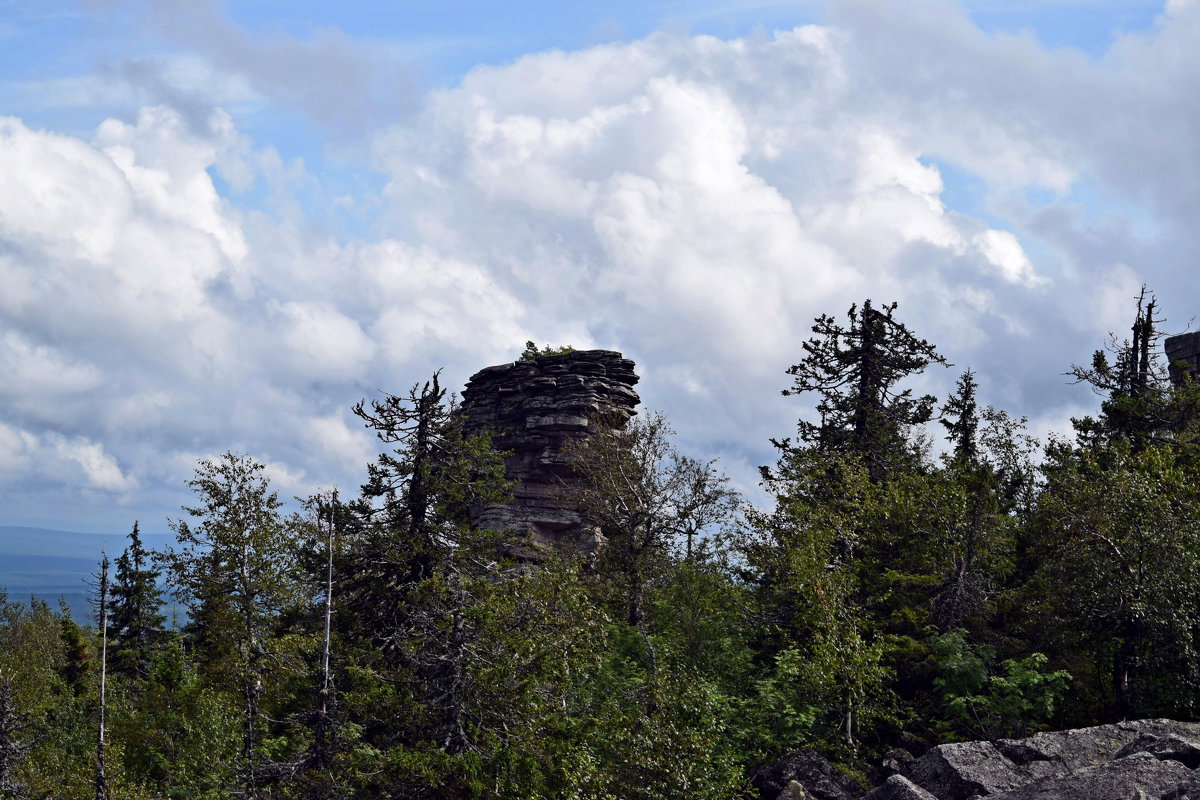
{"x":102,"y":591}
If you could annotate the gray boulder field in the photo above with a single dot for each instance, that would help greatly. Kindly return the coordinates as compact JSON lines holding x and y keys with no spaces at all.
{"x":1151,"y":759}
{"x":1148,"y":759}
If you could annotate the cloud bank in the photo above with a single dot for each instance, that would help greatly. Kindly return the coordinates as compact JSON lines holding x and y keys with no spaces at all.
{"x":174,"y":288}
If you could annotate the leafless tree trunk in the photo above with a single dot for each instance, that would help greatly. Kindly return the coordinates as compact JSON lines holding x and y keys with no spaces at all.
{"x":102,"y":614}
{"x":322,"y":744}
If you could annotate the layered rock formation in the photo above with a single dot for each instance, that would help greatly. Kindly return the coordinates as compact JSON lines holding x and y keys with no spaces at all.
{"x":534,"y":409}
{"x":1183,"y":349}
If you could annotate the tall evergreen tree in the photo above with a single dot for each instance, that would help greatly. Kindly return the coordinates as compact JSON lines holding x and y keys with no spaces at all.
{"x":960,"y":418}
{"x":234,"y":569}
{"x":854,"y":369}
{"x":1140,"y":403}
{"x":414,"y":506}
{"x":136,"y":621}
{"x":405,"y":587}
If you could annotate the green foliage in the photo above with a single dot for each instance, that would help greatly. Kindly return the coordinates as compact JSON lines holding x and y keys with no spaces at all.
{"x":178,"y":733}
{"x":16,"y":739}
{"x":884,"y":594}
{"x":532,"y":352}
{"x":982,"y":703}
{"x":650,"y":502}
{"x":661,"y":737}
{"x":137,"y":624}
{"x":806,"y":560}
{"x":1119,"y":568}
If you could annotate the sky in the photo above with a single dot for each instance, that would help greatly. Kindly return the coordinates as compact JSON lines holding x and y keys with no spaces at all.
{"x":224,"y":223}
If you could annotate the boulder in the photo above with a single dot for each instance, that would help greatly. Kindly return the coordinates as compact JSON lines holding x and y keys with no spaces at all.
{"x":959,"y":771}
{"x":1170,"y":746}
{"x":1138,"y":775}
{"x":897,"y":787}
{"x":1086,"y":747}
{"x":813,"y":776}
{"x":1188,"y":790}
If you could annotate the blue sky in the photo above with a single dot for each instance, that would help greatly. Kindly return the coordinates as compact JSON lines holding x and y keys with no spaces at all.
{"x":221,"y":224}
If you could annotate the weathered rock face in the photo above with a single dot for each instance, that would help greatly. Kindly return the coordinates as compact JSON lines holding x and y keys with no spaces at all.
{"x":1137,"y":775}
{"x":1149,"y":759}
{"x":1183,"y":348}
{"x":534,"y":409}
{"x":897,"y":787}
{"x":1155,"y":757}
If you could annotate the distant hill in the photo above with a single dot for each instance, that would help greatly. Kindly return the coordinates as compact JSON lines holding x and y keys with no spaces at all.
{"x":49,"y":564}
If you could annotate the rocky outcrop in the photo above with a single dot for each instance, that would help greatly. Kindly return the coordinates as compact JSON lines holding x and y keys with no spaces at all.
{"x":804,"y":775}
{"x":1183,"y":354}
{"x":534,"y":409}
{"x":897,"y":787}
{"x":1188,"y":790}
{"x":961,"y":771}
{"x":1138,"y":775}
{"x":1149,"y":758}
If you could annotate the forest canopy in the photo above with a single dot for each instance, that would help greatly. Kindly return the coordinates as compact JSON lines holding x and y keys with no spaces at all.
{"x":891,"y":594}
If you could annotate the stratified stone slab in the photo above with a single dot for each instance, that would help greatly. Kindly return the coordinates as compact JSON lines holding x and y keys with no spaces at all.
{"x":535,"y":409}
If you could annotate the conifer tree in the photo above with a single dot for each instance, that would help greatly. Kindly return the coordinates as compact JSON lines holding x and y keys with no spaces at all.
{"x":1112,"y":536}
{"x":1140,"y":404}
{"x":960,"y":418}
{"x":136,"y":621}
{"x":405,"y":580}
{"x":234,"y":569}
{"x":855,"y":369}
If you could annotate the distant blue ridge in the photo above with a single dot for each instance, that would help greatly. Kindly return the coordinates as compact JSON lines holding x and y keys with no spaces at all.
{"x":49,"y":564}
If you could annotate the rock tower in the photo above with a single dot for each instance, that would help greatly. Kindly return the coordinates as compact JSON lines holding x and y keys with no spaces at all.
{"x":534,"y":408}
{"x":1183,"y":348}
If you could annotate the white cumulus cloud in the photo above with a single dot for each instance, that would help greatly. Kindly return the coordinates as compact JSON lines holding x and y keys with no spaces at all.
{"x":690,"y":200}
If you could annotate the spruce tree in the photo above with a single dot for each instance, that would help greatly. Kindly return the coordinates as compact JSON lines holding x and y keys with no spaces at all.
{"x":854,"y":369}
{"x":405,"y":584}
{"x":1140,"y":404}
{"x":234,"y":569}
{"x":136,"y":621}
{"x":960,"y":418}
